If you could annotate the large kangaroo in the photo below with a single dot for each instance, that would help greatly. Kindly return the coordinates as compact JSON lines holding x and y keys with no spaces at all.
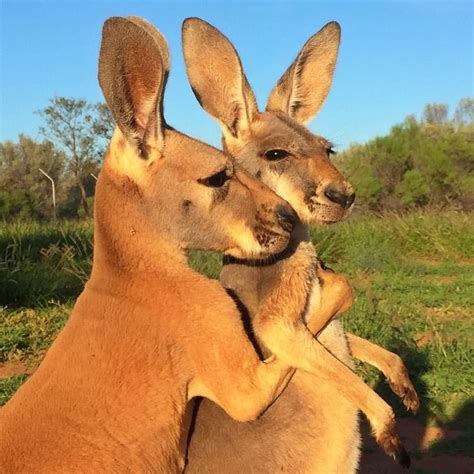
{"x":148,"y":333}
{"x":313,"y":426}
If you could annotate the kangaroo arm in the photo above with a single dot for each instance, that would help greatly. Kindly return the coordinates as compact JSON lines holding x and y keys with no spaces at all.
{"x":244,"y":394}
{"x":336,"y":298}
{"x":229,"y":371}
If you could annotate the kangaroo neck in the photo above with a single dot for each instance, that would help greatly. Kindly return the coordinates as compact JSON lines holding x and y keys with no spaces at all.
{"x":125,"y":245}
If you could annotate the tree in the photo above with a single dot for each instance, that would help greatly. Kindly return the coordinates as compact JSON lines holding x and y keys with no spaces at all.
{"x":104,"y":124}
{"x":435,"y":114}
{"x":25,"y":192}
{"x":464,"y":114}
{"x":79,"y":129}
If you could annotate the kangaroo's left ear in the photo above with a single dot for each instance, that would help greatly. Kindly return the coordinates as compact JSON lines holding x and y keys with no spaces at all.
{"x":303,"y":88}
{"x":217,"y":77}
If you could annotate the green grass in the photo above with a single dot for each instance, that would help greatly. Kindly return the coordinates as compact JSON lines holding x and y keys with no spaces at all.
{"x":26,"y":334}
{"x":414,"y":284}
{"x":412,"y":277}
{"x":41,"y":262}
{"x":9,"y":385}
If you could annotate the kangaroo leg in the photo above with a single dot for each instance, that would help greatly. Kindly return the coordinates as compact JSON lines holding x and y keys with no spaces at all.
{"x":390,"y":364}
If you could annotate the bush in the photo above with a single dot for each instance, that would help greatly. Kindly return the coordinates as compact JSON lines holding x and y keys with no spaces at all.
{"x":18,"y":204}
{"x":413,"y":189}
{"x":427,"y":163}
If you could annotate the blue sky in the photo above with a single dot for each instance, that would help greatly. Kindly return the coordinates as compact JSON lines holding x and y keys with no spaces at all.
{"x":395,"y":57}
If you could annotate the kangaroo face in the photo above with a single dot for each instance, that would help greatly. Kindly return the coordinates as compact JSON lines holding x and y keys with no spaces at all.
{"x":206,"y":202}
{"x":295,"y":164}
{"x":275,"y":146}
{"x":178,"y":187}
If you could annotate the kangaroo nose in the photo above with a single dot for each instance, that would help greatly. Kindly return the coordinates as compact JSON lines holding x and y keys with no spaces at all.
{"x":344,"y":200}
{"x":286,"y":217}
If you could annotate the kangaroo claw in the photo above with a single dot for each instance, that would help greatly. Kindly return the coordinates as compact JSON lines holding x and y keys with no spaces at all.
{"x":391,"y":444}
{"x":405,"y":390}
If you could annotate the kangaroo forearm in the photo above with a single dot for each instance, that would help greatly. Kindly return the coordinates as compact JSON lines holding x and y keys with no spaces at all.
{"x":371,"y":353}
{"x":251,"y":396}
{"x":336,"y":298}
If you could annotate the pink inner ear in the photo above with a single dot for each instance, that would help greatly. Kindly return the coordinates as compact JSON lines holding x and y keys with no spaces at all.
{"x":143,"y":98}
{"x":141,"y":117}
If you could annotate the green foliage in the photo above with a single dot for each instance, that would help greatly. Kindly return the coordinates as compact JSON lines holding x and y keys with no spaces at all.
{"x":464,"y":114}
{"x":76,"y":134}
{"x":413,"y":282}
{"x":435,"y":113}
{"x":26,"y":334}
{"x":25,"y":192}
{"x":90,"y":205}
{"x":19,"y":204}
{"x":413,"y":188}
{"x":9,"y":385}
{"x":426,"y":163}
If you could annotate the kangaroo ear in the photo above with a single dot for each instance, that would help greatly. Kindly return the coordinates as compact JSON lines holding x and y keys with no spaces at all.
{"x":302,"y":90}
{"x":217,"y":78}
{"x":133,"y":68}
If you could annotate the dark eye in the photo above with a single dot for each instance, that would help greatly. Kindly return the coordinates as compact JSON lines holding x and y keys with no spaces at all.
{"x":216,"y":180}
{"x":274,"y":155}
{"x":330,"y":151}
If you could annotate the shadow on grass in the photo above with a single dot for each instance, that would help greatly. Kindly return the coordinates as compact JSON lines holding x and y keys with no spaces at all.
{"x":463,"y":444}
{"x":418,"y":364}
{"x":431,"y":448}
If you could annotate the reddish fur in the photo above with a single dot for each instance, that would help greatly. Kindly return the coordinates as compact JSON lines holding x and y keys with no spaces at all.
{"x":148,"y":333}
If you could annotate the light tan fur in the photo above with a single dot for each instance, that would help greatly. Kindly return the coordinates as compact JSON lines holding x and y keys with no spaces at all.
{"x":321,"y":435}
{"x":148,"y":333}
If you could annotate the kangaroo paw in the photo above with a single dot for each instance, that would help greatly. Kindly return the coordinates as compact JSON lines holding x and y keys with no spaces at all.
{"x":389,"y":441}
{"x":407,"y":393}
{"x":402,"y":386}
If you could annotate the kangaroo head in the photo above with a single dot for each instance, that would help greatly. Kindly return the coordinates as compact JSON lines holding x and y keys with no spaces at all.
{"x":162,"y":185}
{"x":274,"y":146}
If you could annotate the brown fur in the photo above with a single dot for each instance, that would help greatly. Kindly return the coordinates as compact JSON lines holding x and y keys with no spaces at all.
{"x":148,"y":334}
{"x":322,"y":437}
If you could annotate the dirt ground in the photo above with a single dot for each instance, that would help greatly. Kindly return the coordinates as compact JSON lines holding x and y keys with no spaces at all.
{"x":7,"y":370}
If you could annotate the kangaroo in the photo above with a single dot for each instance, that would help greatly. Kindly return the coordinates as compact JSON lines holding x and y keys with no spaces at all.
{"x":148,"y":333}
{"x":313,"y":426}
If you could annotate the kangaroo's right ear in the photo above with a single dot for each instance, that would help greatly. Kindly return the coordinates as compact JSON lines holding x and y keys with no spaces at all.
{"x":133,"y":68}
{"x":217,"y":78}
